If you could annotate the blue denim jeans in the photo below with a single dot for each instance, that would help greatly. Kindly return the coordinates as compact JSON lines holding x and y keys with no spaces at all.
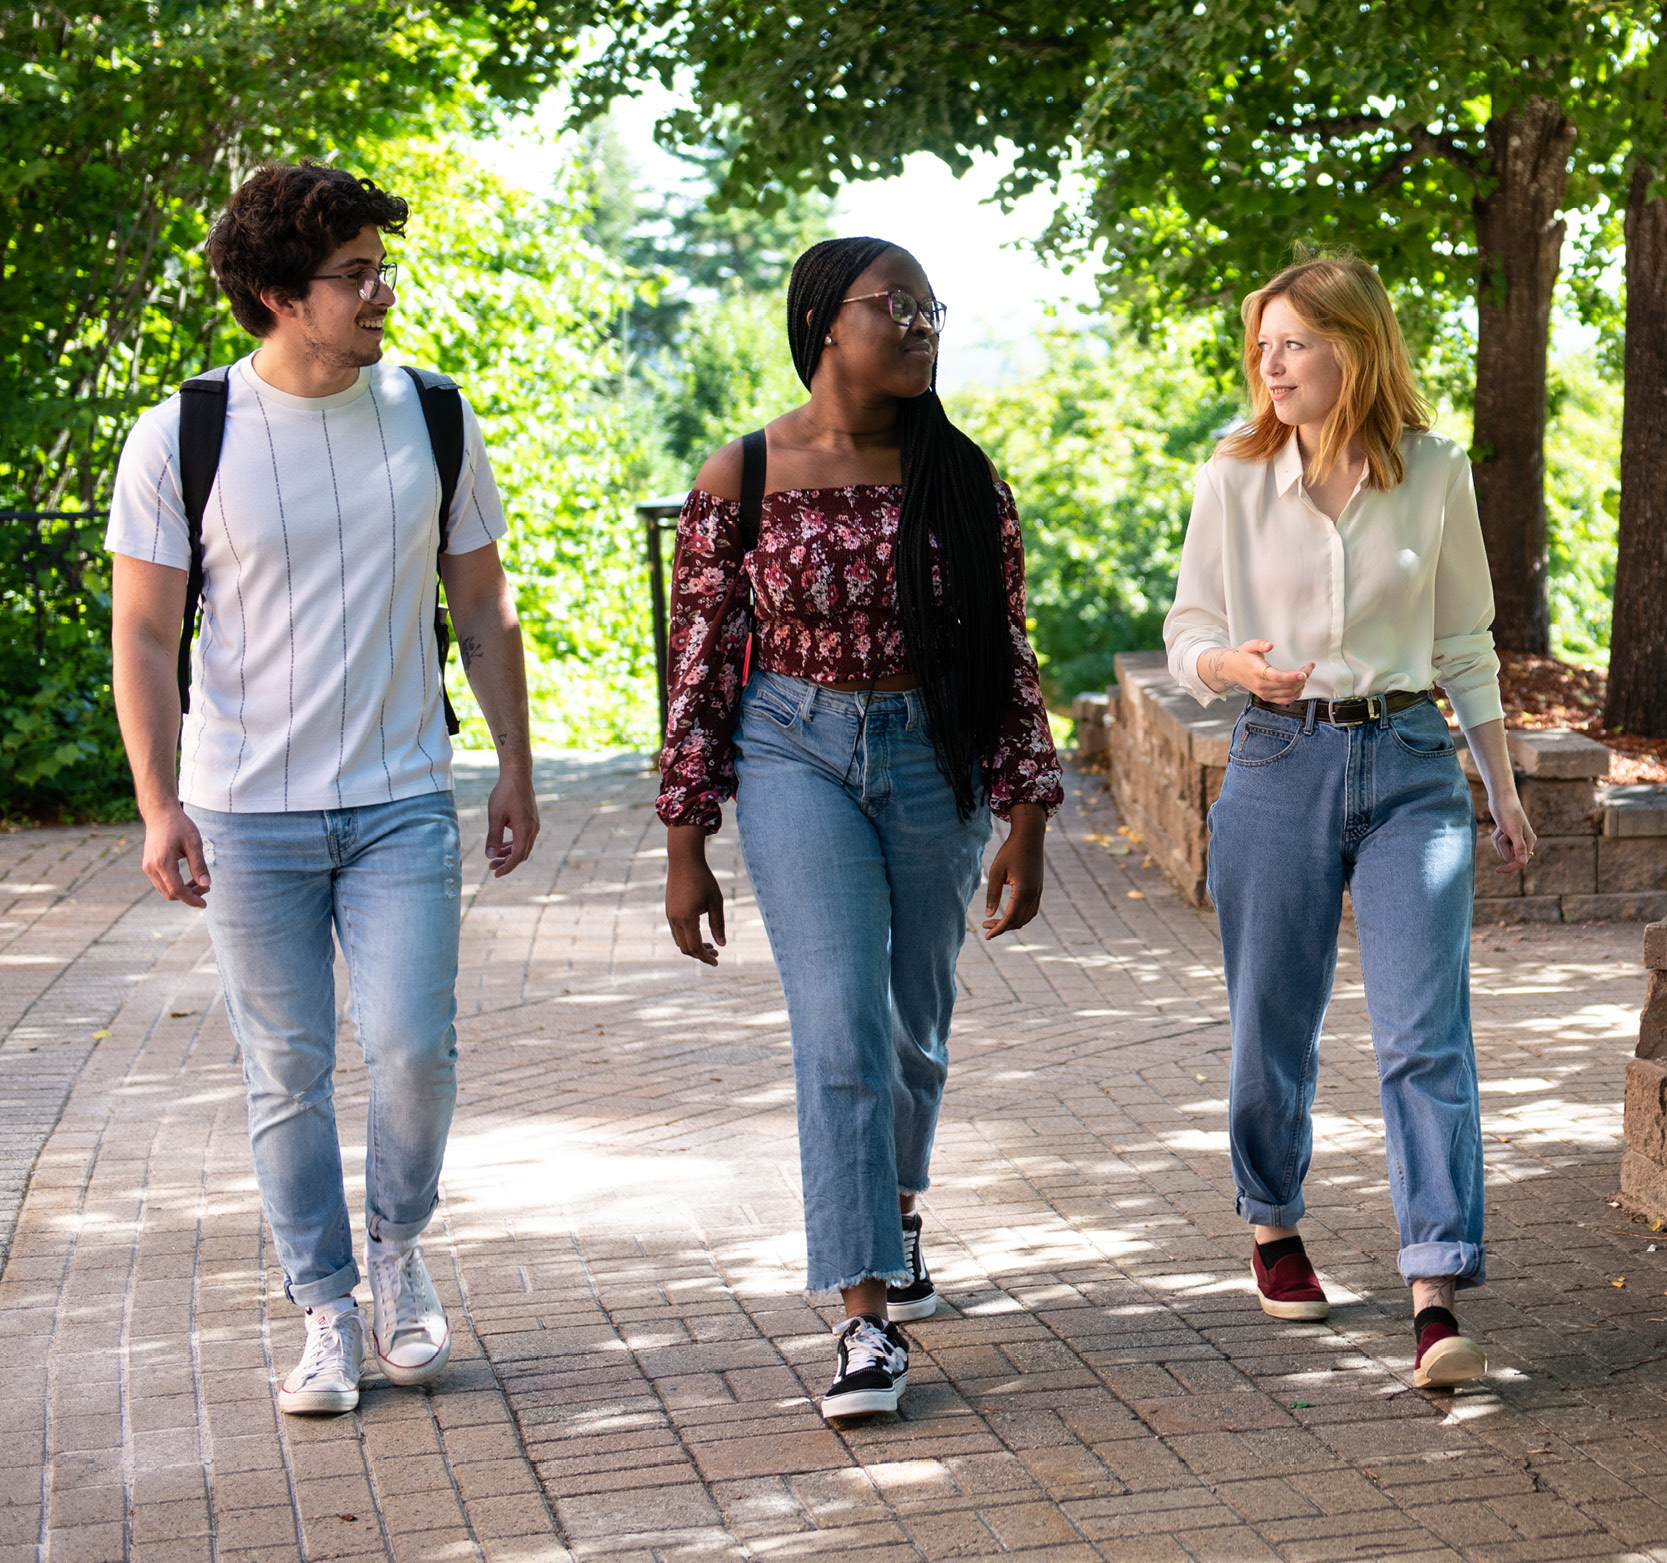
{"x":863,"y":871}
{"x":1307,"y":808}
{"x":386,"y":878}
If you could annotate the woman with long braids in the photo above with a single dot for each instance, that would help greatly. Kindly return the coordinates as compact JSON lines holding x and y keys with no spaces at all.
{"x":893,"y":704}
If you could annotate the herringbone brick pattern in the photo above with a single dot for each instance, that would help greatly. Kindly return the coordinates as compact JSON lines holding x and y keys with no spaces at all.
{"x":619,"y":1245}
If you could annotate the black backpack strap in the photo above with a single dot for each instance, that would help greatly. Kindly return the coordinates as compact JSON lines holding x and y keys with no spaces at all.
{"x":202,"y":430}
{"x":755,"y":461}
{"x":442,"y":405}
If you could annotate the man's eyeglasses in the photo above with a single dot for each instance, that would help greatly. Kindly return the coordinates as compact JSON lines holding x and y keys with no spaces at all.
{"x":904,"y":307}
{"x":365,"y":282}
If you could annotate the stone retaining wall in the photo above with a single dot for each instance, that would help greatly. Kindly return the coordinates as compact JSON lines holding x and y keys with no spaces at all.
{"x":1644,"y":1160}
{"x":1602,"y":852}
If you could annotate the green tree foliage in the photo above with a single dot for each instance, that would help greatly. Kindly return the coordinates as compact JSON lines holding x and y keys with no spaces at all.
{"x":1101,"y":447}
{"x":1443,"y":141}
{"x":504,"y":291}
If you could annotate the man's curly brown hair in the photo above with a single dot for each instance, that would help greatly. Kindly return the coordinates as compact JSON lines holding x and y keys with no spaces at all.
{"x":282,"y":222}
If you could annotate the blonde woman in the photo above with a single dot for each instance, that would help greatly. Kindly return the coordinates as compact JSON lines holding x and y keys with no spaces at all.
{"x":1334,"y":569}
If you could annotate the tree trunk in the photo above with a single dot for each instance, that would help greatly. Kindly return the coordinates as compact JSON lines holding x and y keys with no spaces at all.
{"x":1519,"y":244}
{"x":1637,"y":700}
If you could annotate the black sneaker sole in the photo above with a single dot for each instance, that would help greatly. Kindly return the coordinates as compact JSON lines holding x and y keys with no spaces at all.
{"x":865,"y":1402}
{"x":913,"y":1308}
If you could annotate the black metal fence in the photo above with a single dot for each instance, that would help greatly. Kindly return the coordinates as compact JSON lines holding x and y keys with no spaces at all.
{"x":659,"y":517}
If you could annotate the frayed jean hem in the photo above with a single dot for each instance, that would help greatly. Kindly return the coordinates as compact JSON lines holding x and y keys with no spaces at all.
{"x":906,"y":1193}
{"x":833,"y":1288}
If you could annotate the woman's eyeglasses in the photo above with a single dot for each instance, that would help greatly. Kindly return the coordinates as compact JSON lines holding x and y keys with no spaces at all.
{"x":904,"y":307}
{"x":365,"y":282}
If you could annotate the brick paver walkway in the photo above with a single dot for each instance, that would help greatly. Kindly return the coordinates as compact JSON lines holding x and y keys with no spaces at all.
{"x":620,"y":1249}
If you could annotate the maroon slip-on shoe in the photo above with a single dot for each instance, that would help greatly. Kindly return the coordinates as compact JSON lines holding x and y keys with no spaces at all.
{"x":1288,"y":1288}
{"x":1444,"y":1356}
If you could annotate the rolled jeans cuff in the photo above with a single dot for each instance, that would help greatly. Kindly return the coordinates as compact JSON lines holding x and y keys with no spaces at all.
{"x":328,"y":1290}
{"x":1261,"y":1214}
{"x":1466,"y":1263}
{"x":385,"y":1231}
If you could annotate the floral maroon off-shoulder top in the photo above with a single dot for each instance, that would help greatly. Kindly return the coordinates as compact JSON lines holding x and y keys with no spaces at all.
{"x":823,"y":580}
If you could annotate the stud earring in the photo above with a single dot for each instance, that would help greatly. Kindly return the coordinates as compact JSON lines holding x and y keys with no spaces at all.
{"x":827,"y":341}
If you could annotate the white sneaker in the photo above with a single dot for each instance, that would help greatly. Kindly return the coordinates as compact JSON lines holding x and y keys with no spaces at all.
{"x":409,"y":1326}
{"x":327,"y":1377}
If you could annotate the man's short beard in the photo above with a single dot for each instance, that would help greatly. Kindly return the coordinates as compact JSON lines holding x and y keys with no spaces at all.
{"x":328,"y":355}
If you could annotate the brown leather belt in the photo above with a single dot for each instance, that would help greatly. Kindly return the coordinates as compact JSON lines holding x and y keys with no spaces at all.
{"x":1346,"y":713}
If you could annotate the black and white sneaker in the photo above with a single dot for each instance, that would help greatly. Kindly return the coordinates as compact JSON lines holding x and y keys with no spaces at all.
{"x":918,"y":1297}
{"x":873,"y":1368}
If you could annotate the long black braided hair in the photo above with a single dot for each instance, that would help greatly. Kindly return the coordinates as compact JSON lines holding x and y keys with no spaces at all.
{"x":956,"y":634}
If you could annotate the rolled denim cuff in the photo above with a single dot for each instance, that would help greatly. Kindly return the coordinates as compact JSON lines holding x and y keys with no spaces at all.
{"x":327,"y":1290}
{"x":1466,"y":1263}
{"x":385,"y":1231}
{"x":1261,"y":1214}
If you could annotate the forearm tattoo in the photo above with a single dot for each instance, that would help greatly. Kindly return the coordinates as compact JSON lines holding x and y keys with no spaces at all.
{"x":1215,"y":661}
{"x":468,"y":648}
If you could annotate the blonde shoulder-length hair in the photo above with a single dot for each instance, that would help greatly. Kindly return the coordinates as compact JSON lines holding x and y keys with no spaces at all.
{"x":1343,"y":300}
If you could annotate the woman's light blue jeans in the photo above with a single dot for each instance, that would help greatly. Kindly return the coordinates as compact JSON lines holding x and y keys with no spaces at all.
{"x":386,"y":878}
{"x":1307,"y":808}
{"x":863,"y":871}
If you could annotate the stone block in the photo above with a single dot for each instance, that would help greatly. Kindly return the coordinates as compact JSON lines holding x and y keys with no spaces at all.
{"x":1652,"y":1023}
{"x":1114,"y":704}
{"x":1090,"y":707}
{"x":1557,"y":753}
{"x":1655,"y":946}
{"x":1561,"y":865}
{"x":1626,"y":906}
{"x":1645,"y":1114}
{"x":1643,"y":1185}
{"x":1212,"y":731}
{"x":1560,"y":808}
{"x":1519,"y":909}
{"x":1639,"y":809}
{"x":1632,"y":862}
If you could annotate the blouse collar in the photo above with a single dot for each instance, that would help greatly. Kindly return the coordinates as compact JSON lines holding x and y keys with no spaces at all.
{"x":1287,"y":466}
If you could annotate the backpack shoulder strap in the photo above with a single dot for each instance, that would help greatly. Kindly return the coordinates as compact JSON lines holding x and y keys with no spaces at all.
{"x":755,"y":462}
{"x":202,"y":431}
{"x":442,"y":405}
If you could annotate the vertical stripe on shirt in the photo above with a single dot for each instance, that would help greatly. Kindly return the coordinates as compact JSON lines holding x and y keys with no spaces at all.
{"x":242,"y":650}
{"x":161,"y":478}
{"x":289,"y":582}
{"x":393,"y":582}
{"x":341,"y":555}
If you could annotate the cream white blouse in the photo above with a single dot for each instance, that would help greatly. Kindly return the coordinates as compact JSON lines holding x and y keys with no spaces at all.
{"x":1392,"y":595}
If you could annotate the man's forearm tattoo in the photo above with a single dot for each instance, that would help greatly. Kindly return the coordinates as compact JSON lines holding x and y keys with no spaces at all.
{"x":468,"y":648}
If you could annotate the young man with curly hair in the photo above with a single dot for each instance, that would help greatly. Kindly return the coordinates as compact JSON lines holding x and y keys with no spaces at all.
{"x":313,"y":783}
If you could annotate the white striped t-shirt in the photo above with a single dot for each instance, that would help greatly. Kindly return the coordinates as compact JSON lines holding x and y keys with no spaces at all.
{"x":314,"y":675}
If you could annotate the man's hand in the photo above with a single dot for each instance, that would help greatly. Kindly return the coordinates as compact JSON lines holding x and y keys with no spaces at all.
{"x":691,"y":892}
{"x":1017,"y":868}
{"x":512,"y":807}
{"x":1248,"y":668}
{"x":170,"y":836}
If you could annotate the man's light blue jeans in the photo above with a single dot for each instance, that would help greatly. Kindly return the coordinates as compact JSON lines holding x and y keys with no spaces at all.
{"x":1307,"y":808}
{"x":386,"y":878}
{"x":863,"y":871}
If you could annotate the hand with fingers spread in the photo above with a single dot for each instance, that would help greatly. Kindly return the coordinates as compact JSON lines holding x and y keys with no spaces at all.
{"x":1017,"y":868}
{"x":171,"y":838}
{"x":692,"y":891}
{"x":1247,"y":667}
{"x":512,"y":809}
